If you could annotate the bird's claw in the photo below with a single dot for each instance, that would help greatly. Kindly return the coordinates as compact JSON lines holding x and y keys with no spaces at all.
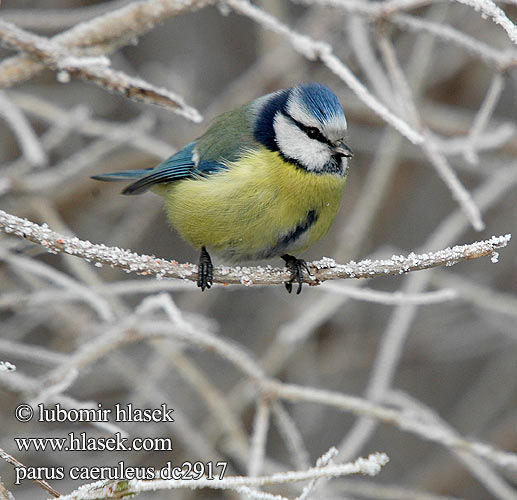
{"x":205,"y":273}
{"x":296,"y":266}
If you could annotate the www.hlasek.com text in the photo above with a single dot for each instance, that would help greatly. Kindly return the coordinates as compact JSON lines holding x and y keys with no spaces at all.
{"x":82,"y":442}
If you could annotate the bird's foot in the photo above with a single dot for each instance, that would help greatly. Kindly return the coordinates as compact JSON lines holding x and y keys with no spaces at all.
{"x":205,"y":273}
{"x":296,"y":266}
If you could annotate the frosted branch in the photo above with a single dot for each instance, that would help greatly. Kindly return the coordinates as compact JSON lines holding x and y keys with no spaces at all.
{"x":103,"y":34}
{"x":322,"y":461}
{"x":323,"y":270}
{"x":370,"y":466}
{"x":490,"y":9}
{"x":92,"y":69}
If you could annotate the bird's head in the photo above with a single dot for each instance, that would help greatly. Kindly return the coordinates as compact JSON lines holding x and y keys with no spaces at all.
{"x":306,"y":125}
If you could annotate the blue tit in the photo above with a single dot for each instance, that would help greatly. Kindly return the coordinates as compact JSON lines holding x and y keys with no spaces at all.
{"x":264,"y":180}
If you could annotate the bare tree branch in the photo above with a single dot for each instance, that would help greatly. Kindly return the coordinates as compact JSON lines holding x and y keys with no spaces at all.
{"x":104,"y":34}
{"x":325,"y":269}
{"x":110,"y":489}
{"x":92,"y":69}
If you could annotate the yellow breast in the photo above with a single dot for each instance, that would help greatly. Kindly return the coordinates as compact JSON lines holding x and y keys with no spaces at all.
{"x":261,"y":206}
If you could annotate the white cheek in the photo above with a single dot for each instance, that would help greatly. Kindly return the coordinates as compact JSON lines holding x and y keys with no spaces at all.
{"x":294,"y":143}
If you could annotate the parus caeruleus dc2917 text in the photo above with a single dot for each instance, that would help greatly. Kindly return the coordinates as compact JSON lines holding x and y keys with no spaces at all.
{"x":265,"y":179}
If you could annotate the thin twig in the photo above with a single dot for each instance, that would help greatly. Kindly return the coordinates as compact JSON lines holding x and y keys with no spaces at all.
{"x":89,"y":126}
{"x":407,"y":422}
{"x":483,"y":117}
{"x":291,"y":436}
{"x":492,"y":481}
{"x":436,"y":158}
{"x":259,"y":437}
{"x":25,"y":135}
{"x":371,"y":466}
{"x":40,"y":482}
{"x":57,"y":19}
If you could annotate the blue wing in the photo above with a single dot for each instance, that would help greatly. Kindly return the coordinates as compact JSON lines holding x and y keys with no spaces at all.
{"x":181,"y":165}
{"x":178,"y":166}
{"x":229,"y":136}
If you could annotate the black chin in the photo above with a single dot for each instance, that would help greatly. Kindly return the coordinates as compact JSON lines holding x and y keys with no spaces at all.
{"x":334,"y":166}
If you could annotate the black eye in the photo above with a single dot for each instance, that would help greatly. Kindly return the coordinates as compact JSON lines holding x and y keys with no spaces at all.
{"x":313,"y":133}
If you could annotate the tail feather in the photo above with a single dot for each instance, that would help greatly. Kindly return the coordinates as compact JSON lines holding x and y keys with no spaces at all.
{"x":128,"y":175}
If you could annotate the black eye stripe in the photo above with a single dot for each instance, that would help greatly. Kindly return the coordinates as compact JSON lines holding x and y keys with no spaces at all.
{"x":315,"y":133}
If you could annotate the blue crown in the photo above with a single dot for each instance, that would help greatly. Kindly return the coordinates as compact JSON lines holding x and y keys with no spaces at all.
{"x":320,"y":101}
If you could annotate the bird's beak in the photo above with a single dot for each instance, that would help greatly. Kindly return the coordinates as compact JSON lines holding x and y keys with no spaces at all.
{"x":342,"y":149}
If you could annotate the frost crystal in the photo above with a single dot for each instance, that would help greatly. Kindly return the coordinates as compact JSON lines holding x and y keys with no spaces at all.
{"x":373,"y":464}
{"x":63,"y":77}
{"x":5,"y":366}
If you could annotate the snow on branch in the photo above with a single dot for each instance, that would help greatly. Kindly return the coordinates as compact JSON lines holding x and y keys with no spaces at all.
{"x":117,"y":489}
{"x":103,"y":34}
{"x":323,"y":270}
{"x":490,"y":9}
{"x":5,"y":366}
{"x":94,"y":69}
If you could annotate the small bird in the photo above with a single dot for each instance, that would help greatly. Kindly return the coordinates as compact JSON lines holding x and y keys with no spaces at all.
{"x":264,"y":180}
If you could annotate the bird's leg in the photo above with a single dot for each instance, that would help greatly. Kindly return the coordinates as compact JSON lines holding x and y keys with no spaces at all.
{"x":205,"y":273}
{"x":296,"y":266}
